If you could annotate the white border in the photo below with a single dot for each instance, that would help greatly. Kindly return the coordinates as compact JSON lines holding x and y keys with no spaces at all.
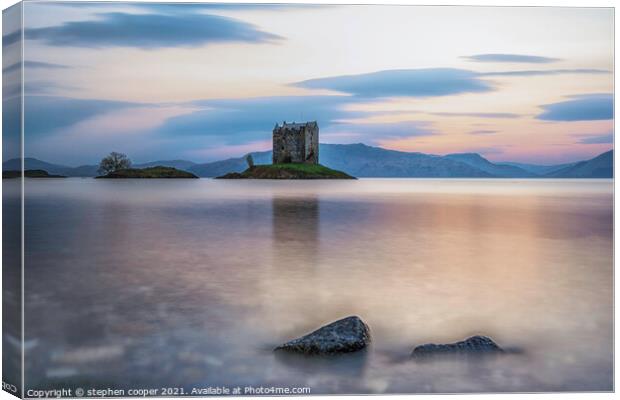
{"x":503,"y":3}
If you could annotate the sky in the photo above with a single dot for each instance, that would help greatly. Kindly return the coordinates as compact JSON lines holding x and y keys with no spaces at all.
{"x":204,"y":82}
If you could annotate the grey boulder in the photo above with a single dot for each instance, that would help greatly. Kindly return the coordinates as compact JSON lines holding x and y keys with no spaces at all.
{"x":343,"y":336}
{"x":475,"y":345}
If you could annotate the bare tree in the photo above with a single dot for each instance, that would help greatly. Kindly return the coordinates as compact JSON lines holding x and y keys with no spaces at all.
{"x":250,"y":160}
{"x":113,"y":162}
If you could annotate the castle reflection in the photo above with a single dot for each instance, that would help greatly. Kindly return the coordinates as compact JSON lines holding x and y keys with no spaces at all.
{"x":295,"y":230}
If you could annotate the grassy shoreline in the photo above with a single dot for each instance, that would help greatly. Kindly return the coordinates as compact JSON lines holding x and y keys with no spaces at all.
{"x":288,"y":171}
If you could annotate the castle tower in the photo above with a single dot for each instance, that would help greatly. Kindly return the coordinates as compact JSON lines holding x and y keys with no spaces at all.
{"x":296,"y":143}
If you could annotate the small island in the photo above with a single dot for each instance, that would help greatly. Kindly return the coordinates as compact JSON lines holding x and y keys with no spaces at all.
{"x":288,"y":171}
{"x":29,"y":173}
{"x":148,"y":173}
{"x":118,"y":166}
{"x":295,"y":156}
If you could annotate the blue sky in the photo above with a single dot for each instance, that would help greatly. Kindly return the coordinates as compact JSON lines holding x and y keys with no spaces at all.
{"x":205,"y":82}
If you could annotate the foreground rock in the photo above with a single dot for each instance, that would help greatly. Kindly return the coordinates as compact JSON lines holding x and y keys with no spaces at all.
{"x":148,"y":173}
{"x":473,"y":345}
{"x":343,"y":336}
{"x":288,"y":171}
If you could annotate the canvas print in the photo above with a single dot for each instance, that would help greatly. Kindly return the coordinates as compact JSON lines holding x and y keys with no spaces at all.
{"x":295,"y":199}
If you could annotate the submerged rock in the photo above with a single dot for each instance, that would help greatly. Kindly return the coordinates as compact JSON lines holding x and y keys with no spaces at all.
{"x":472,"y":345}
{"x":343,"y":336}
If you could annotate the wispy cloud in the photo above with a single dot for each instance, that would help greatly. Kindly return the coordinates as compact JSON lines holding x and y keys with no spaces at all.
{"x":482,"y":132}
{"x":606,"y":138}
{"x":547,"y":72}
{"x":486,"y":151}
{"x":510,"y":58}
{"x":185,"y":8}
{"x":590,"y":107}
{"x":196,"y":7}
{"x":407,"y":82}
{"x":150,"y":31}
{"x":44,"y":114}
{"x":428,"y":82}
{"x":477,"y":114}
{"x":11,"y":38}
{"x":373,"y":133}
{"x":240,"y":120}
{"x":33,"y":65}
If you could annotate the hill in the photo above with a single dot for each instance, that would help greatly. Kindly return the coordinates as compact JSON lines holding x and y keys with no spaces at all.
{"x":601,"y":166}
{"x":499,"y":170}
{"x":158,"y":172}
{"x":287,"y":171}
{"x":29,"y":173}
{"x":367,"y":161}
{"x":362,"y":161}
{"x":535,"y":169}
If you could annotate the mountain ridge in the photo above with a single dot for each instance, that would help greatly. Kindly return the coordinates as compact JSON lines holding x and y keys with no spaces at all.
{"x":362,"y":160}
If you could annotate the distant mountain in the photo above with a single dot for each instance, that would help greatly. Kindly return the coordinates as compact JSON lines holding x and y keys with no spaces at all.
{"x":361,"y":160}
{"x":501,"y":170}
{"x":601,"y":166}
{"x":32,"y":163}
{"x":537,"y":169}
{"x":85,"y":170}
{"x":367,"y":161}
{"x":53,"y":169}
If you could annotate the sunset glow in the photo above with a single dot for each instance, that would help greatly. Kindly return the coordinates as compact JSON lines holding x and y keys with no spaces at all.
{"x":205,"y":82}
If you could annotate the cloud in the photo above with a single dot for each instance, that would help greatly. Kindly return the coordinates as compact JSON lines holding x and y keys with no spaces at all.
{"x":240,"y":120}
{"x":196,"y":7}
{"x":407,"y":82}
{"x":485,"y":151}
{"x":374,"y":132}
{"x":547,"y":72}
{"x":42,"y":87}
{"x":483,"y":132}
{"x":214,"y":123}
{"x":511,"y":58}
{"x":234,"y":122}
{"x":45,"y":114}
{"x":186,"y":8}
{"x":33,"y":65}
{"x":150,"y":31}
{"x":428,"y":82}
{"x":590,"y":107}
{"x":477,"y":114}
{"x":11,"y":117}
{"x":11,"y":38}
{"x":607,"y":138}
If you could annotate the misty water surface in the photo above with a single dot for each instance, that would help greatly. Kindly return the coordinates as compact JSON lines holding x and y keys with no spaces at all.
{"x":190,"y":283}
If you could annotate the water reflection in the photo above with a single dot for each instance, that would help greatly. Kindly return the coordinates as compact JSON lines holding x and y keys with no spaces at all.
{"x":11,"y":282}
{"x":349,"y":365}
{"x":194,"y":283}
{"x":295,"y":231}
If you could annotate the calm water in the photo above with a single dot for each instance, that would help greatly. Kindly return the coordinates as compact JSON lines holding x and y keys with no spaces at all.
{"x":192,"y":283}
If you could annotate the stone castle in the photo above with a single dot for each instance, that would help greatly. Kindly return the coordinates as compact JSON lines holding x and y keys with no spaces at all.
{"x":296,"y":143}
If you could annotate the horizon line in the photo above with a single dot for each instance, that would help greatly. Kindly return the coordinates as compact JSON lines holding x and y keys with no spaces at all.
{"x":335,"y":144}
